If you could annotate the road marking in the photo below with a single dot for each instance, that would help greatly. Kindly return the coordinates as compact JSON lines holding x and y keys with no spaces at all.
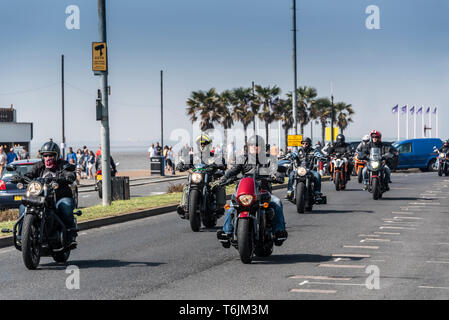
{"x":426,"y":203}
{"x":320,"y":278}
{"x":399,"y":212}
{"x":428,"y":287}
{"x":411,"y":223}
{"x":399,"y":228}
{"x":339,"y":284}
{"x":351,"y":255}
{"x":371,"y":240}
{"x":369,"y":235}
{"x":389,"y":233}
{"x":361,"y":247}
{"x":350,"y":266}
{"x":437,"y":261}
{"x":415,"y":218}
{"x":313,"y":291}
{"x":303,"y":283}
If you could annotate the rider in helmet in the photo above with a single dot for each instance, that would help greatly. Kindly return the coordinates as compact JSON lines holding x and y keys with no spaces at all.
{"x":204,"y":156}
{"x":246,"y":165}
{"x":305,"y":156}
{"x":445,"y":147}
{"x":344,"y":148}
{"x":52,"y":167}
{"x":376,"y":142}
{"x":364,"y":145}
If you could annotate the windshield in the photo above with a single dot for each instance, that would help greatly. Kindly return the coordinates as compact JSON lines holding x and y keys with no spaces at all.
{"x":21,"y":169}
{"x":269,"y":170}
{"x":375,"y":154}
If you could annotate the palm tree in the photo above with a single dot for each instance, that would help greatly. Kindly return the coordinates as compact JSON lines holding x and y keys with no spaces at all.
{"x":204,"y":105}
{"x":242,"y":109}
{"x":265,"y":96}
{"x":226,"y":120}
{"x":285,"y":112}
{"x":307,"y":96}
{"x":321,"y":110}
{"x":343,"y":115}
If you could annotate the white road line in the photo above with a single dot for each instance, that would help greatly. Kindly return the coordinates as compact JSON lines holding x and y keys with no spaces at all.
{"x":426,"y":203}
{"x":389,"y":233}
{"x":339,"y":284}
{"x":413,"y":218}
{"x":313,"y":291}
{"x":399,"y":212}
{"x":304,"y":282}
{"x":374,"y":240}
{"x":361,"y":247}
{"x":348,"y":266}
{"x":351,"y":255}
{"x":399,"y":228}
{"x":320,"y":278}
{"x":429,"y":287}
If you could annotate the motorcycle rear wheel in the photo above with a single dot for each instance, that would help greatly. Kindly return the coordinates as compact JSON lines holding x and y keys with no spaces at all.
{"x":245,"y":240}
{"x":30,"y":242}
{"x":337,"y":181}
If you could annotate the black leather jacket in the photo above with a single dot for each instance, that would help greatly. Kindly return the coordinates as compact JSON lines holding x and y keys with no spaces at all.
{"x":340,"y":148}
{"x":444,"y":149}
{"x":386,"y":150}
{"x":64,"y":178}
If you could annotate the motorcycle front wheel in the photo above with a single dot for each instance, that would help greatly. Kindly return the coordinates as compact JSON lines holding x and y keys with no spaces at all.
{"x":300,"y":197}
{"x":245,"y":240}
{"x":30,"y":242}
{"x":194,"y":214}
{"x":360,"y":175}
{"x":376,"y":189}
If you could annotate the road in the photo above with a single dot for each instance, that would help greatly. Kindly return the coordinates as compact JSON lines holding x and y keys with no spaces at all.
{"x":402,"y":237}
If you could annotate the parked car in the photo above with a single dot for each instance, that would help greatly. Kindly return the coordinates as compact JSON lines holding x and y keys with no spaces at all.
{"x":418,"y":153}
{"x":10,"y":195}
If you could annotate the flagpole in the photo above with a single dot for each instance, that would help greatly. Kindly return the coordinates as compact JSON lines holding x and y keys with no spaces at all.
{"x":406,"y":119}
{"x":399,"y":124}
{"x":414,"y":123}
{"x":436,"y":124}
{"x":430,"y":123}
{"x":422,"y":123}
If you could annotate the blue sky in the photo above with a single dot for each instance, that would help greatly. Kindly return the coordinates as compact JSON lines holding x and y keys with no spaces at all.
{"x":223,"y":44}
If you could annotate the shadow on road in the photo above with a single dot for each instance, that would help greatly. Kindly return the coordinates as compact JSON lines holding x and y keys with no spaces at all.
{"x":338,"y":211}
{"x":106,"y":263}
{"x":291,"y":258}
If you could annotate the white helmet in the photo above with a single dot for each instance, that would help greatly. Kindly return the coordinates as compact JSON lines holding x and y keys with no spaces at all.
{"x":366,"y":138}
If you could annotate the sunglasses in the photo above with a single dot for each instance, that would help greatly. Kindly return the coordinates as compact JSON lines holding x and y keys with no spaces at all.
{"x":47,"y":155}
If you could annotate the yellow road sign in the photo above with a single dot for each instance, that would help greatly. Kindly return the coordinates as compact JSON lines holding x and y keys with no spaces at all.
{"x":294,"y":140}
{"x":328,"y":134}
{"x":99,"y":56}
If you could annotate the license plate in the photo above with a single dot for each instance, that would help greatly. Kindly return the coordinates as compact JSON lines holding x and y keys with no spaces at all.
{"x":17,"y":198}
{"x":99,"y":177}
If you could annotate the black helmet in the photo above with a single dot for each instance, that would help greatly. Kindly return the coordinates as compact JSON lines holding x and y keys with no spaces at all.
{"x":50,"y":147}
{"x":308,"y":140}
{"x":340,"y":138}
{"x":256,"y":140}
{"x":446,"y":142}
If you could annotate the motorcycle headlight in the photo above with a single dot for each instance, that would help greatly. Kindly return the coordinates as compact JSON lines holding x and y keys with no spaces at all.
{"x":442,"y":155}
{"x":246,"y":199}
{"x":34,"y":189}
{"x":375,"y":164}
{"x":197,"y":177}
{"x":301,"y":171}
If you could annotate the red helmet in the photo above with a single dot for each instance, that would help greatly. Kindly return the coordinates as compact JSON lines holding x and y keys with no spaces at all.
{"x":377,"y":134}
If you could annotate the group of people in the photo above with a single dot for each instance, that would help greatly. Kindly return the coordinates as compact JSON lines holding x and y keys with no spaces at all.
{"x":85,"y":161}
{"x":166,"y":152}
{"x":7,"y":158}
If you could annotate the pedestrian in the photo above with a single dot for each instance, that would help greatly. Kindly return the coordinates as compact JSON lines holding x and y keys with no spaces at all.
{"x":86,"y":157}
{"x":79,"y":163}
{"x":3,"y":160}
{"x":71,"y":156}
{"x":171,"y":160}
{"x":151,"y":151}
{"x":90,"y":164}
{"x":24,"y":155}
{"x":158,"y":150}
{"x":11,"y":156}
{"x":164,"y":154}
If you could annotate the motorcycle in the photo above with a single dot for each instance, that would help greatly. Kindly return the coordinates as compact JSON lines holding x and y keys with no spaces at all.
{"x":443,"y":166}
{"x":99,"y":180}
{"x":339,"y":164}
{"x":43,"y":232}
{"x":253,"y":217}
{"x":358,"y":167}
{"x":204,"y":205}
{"x":376,"y":170}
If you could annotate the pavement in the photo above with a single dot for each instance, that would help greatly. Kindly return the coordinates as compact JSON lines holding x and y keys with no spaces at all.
{"x":352,"y":248}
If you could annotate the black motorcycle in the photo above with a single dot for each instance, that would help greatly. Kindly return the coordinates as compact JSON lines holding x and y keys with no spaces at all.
{"x":204,"y":205}
{"x":443,"y":163}
{"x":376,"y":169}
{"x":43,"y":232}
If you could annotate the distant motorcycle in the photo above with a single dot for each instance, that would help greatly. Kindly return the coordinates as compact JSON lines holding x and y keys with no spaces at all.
{"x":358,"y":167}
{"x":443,"y":163}
{"x":339,"y":165}
{"x":43,"y":232}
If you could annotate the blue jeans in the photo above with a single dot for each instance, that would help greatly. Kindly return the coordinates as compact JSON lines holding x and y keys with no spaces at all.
{"x":365,"y":174}
{"x":278,"y":220}
{"x":316,"y":177}
{"x":64,"y":209}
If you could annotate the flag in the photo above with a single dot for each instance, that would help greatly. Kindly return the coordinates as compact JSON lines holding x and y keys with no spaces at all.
{"x":419,"y":111}
{"x":248,"y":102}
{"x":404,"y":109}
{"x":428,"y":110}
{"x":435,"y":110}
{"x":412,"y":110}
{"x":276,"y":100}
{"x":395,"y":109}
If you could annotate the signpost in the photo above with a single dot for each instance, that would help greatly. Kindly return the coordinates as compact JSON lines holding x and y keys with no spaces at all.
{"x":328,"y":134}
{"x":99,"y":57}
{"x":294,"y":140}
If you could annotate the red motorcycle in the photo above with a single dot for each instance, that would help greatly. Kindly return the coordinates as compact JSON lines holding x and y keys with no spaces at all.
{"x":253,"y":231}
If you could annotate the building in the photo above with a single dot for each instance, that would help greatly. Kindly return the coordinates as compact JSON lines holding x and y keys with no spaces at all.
{"x":12,"y":133}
